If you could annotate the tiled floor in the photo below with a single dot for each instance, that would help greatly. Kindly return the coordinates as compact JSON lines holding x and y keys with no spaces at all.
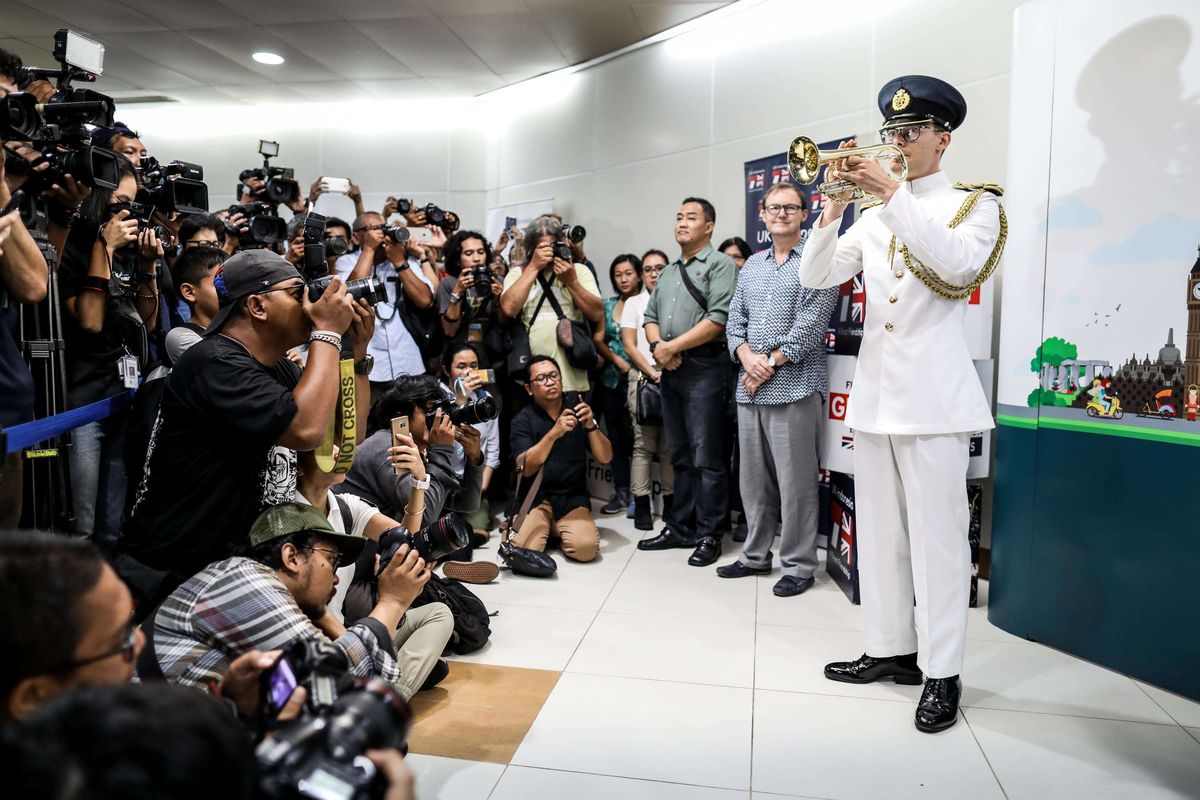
{"x":678,"y":685}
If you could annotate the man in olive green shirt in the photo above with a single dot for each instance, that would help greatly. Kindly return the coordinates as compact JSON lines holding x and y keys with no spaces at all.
{"x":685,"y":327}
{"x":573,"y":286}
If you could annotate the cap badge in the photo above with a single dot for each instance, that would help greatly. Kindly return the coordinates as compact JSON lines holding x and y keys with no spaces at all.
{"x":900,"y":100}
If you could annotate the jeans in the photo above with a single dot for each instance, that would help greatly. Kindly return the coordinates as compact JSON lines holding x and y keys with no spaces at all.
{"x":98,"y":478}
{"x":694,"y":416}
{"x":610,"y":406}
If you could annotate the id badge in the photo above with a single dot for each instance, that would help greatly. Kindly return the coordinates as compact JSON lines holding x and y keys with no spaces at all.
{"x":475,"y":333}
{"x":127,"y":369}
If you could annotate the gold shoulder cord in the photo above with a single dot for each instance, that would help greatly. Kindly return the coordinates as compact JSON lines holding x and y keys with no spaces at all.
{"x":343,"y":428}
{"x":931,"y":279}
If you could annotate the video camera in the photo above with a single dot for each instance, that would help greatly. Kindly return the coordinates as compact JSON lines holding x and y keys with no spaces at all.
{"x":265,"y":226}
{"x":316,"y":270}
{"x":280,"y":185}
{"x":568,"y":235}
{"x":58,"y":128}
{"x":174,"y":187}
{"x":322,"y":754}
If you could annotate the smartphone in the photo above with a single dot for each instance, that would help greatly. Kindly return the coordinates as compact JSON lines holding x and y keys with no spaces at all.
{"x":570,"y":400}
{"x":399,"y":428}
{"x":485,"y":375}
{"x":336,"y":185}
{"x":510,"y":223}
{"x":278,"y":684}
{"x":421,"y":235}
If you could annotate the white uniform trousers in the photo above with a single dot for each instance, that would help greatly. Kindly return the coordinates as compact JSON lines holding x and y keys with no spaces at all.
{"x":912,"y":519}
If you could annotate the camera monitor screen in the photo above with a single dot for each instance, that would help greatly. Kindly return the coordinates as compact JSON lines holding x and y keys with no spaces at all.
{"x":281,"y":684}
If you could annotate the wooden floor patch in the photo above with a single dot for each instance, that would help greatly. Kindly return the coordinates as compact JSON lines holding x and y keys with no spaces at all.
{"x":479,"y":712}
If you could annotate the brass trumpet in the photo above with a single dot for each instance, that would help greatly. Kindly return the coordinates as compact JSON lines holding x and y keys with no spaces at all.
{"x":805,"y":161}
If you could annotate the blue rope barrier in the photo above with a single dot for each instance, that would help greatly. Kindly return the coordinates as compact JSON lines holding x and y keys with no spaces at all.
{"x":28,"y":434}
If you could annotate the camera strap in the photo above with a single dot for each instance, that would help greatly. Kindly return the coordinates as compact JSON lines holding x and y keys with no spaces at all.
{"x":528,"y":501}
{"x":343,"y":428}
{"x":548,"y":294}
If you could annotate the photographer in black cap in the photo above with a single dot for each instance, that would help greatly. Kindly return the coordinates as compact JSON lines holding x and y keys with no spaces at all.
{"x":234,"y":412}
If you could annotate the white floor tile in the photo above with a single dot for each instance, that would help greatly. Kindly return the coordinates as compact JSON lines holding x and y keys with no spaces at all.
{"x":978,"y":627}
{"x":532,"y":637}
{"x":684,"y":649}
{"x":1195,"y":732}
{"x":662,"y":584}
{"x":794,"y":659}
{"x":822,"y":606}
{"x":845,"y":747}
{"x":1041,"y":755}
{"x":523,"y":783}
{"x":583,"y":587}
{"x":682,"y":733}
{"x":439,"y":778}
{"x":1182,"y":710}
{"x":1024,"y":676}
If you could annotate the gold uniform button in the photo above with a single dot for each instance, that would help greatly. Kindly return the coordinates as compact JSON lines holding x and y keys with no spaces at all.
{"x":893,"y":299}
{"x":899,"y":273}
{"x":887,"y":326}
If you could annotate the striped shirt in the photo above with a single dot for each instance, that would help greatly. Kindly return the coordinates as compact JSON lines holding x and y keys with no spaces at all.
{"x":771,"y":310}
{"x":238,"y":605}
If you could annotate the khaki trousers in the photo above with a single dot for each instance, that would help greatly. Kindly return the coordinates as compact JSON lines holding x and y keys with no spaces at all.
{"x":580,"y":537}
{"x":420,"y":639}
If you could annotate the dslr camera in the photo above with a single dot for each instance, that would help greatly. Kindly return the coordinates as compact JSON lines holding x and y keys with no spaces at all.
{"x":446,"y":220}
{"x":174,"y":187}
{"x":472,"y":412}
{"x":322,"y":754}
{"x":434,"y":542}
{"x":122,"y":282}
{"x":568,"y":235}
{"x":58,"y":128}
{"x":265,"y":226}
{"x":316,"y":270}
{"x":280,"y":184}
{"x":483,"y":280}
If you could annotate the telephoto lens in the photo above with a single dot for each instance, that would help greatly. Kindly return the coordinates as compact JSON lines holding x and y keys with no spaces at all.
{"x":434,"y":542}
{"x":369,"y":288}
{"x":336,"y":245}
{"x":473,"y":412}
{"x":397,"y":233}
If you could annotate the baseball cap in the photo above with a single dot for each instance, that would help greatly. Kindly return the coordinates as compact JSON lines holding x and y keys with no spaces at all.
{"x":101,"y":136}
{"x":242,"y":275}
{"x":288,"y":518}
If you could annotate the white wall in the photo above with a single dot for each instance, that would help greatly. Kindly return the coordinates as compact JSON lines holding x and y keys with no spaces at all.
{"x":618,"y":145}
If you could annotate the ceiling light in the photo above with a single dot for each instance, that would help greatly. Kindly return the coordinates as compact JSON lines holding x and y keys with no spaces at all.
{"x":264,"y":57}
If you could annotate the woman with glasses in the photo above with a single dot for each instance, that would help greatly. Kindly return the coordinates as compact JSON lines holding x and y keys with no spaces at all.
{"x":649,"y":441}
{"x":625,"y":274}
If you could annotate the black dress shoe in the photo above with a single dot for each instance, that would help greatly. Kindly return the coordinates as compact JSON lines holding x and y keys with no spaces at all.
{"x":739,"y":570}
{"x":707,"y":551}
{"x":666,"y":540}
{"x":938,"y":708}
{"x":867,"y":669}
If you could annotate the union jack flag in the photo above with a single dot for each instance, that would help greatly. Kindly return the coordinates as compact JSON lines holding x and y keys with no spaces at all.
{"x":858,"y":299}
{"x":846,"y":538}
{"x":848,"y":442}
{"x":755,"y":179}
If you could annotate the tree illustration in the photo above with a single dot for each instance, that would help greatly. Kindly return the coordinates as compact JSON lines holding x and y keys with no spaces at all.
{"x":1054,"y":350}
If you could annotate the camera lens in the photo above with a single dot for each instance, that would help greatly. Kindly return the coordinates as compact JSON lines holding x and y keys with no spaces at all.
{"x":474,"y":412}
{"x":434,"y":542}
{"x":434,"y":214}
{"x":336,"y":245}
{"x":397,"y":233}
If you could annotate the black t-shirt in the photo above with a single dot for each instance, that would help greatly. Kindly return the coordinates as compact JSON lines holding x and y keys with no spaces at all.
{"x":16,"y":384}
{"x":564,"y":480}
{"x":478,"y":320}
{"x":91,"y":358}
{"x":213,"y":463}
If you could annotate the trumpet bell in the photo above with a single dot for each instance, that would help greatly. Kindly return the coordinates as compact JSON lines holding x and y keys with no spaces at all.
{"x":805,"y":161}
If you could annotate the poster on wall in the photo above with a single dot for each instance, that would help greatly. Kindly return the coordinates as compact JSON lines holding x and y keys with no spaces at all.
{"x":762,"y":174}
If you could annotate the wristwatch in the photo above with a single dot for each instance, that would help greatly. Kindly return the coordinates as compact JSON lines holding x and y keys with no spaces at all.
{"x":454,"y":298}
{"x":594,"y":427}
{"x":421,"y":484}
{"x":654,"y":344}
{"x":365,"y":365}
{"x":771,"y":360}
{"x":403,"y":265}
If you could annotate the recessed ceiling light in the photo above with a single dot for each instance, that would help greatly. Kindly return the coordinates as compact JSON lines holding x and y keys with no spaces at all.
{"x":268,"y":58}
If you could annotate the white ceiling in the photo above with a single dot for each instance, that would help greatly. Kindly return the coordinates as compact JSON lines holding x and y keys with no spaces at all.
{"x":198,"y":51}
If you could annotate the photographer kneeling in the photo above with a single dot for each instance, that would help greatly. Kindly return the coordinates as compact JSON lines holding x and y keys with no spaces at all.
{"x":556,"y":437}
{"x":279,"y":594}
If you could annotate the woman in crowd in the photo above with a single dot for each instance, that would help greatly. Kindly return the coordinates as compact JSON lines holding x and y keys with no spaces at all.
{"x":464,"y":384}
{"x":109,"y":289}
{"x":625,"y":274}
{"x":737,"y":249}
{"x":648,"y":440}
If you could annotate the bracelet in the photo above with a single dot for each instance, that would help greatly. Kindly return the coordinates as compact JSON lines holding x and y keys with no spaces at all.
{"x":408,"y":513}
{"x":95,"y":283}
{"x":334,"y":334}
{"x":454,"y":298}
{"x":145,"y":277}
{"x":146,"y":296}
{"x":321,"y":336}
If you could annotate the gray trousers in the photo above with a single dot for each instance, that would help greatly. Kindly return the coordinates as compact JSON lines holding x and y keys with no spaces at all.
{"x":779,"y":475}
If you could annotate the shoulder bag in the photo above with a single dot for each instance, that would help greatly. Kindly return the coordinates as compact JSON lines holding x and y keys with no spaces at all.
{"x":575,"y":338}
{"x":522,"y":560}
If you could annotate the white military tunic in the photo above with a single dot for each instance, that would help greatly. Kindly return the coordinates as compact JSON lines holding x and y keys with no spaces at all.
{"x":914,"y":372}
{"x":916,"y":397}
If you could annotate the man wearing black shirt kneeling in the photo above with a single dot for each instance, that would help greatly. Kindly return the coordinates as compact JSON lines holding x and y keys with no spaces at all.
{"x":234,"y":412}
{"x":556,"y":436}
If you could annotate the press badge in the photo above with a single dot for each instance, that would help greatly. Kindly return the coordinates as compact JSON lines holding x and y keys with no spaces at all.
{"x":475,"y":333}
{"x":127,"y":369}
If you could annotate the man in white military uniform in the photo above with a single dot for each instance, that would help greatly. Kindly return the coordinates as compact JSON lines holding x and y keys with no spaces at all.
{"x":916,"y":395}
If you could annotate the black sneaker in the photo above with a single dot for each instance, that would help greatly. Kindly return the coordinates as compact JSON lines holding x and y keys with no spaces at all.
{"x":615,"y":505}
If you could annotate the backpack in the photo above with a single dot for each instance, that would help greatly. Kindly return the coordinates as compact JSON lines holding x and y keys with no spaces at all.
{"x":472,"y":623}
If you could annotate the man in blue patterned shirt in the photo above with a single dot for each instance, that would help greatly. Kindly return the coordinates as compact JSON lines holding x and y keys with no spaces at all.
{"x":776,"y":331}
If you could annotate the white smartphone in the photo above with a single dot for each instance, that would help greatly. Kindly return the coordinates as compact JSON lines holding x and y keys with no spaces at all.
{"x":336,"y":185}
{"x":422,"y":235}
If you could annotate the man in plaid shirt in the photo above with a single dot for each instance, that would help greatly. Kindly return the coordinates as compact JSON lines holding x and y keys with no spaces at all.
{"x":275,"y":596}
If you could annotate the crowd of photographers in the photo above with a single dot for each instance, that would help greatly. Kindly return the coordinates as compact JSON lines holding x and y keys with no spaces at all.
{"x":326,"y":412}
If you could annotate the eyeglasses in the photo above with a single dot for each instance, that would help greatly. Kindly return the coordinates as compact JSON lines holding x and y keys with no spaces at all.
{"x":909,"y":133}
{"x":650,"y":270}
{"x":774,"y":209}
{"x":295,"y":290}
{"x":370,"y":228}
{"x":335,"y":556}
{"x":125,"y":649}
{"x":545,"y":378}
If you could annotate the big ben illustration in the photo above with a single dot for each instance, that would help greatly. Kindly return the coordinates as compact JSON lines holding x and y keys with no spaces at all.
{"x":1191,"y":361}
